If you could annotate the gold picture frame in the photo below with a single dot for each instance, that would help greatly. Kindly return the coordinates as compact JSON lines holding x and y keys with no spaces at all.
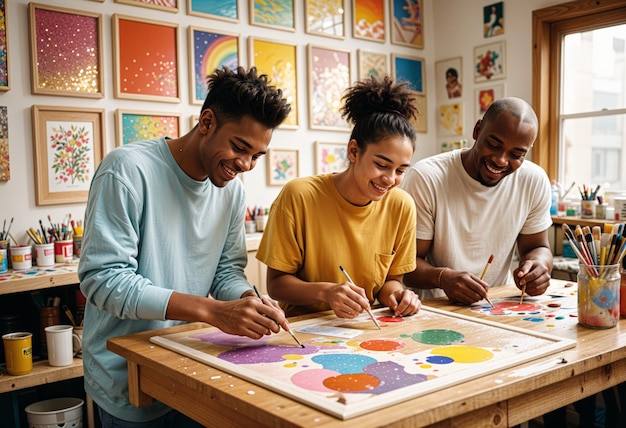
{"x":152,"y":4}
{"x":137,"y":74}
{"x":68,"y":145}
{"x":57,"y":67}
{"x":325,"y":18}
{"x":282,"y":165}
{"x":139,"y":125}
{"x":279,"y":61}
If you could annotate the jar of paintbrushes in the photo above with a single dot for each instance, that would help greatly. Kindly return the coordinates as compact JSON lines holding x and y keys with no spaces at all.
{"x":600,"y":254}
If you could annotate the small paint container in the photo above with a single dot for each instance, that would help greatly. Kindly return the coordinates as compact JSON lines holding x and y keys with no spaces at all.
{"x":598,"y":296}
{"x":64,"y":251}
{"x":78,"y":244}
{"x":250,"y":226}
{"x":588,"y":208}
{"x":44,"y":254}
{"x":22,"y":257}
{"x":4,"y":263}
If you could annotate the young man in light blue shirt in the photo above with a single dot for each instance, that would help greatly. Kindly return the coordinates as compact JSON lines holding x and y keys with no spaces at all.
{"x":164,"y":238}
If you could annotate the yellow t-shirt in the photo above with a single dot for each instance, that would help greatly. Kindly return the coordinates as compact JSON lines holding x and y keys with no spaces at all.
{"x":312,"y":229}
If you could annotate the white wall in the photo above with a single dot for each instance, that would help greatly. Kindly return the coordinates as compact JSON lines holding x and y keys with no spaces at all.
{"x":452,"y":28}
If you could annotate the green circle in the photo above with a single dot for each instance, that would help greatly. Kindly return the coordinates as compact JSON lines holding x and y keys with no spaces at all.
{"x":437,"y":337}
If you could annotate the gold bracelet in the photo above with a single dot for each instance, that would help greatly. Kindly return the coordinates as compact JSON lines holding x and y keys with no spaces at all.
{"x":439,"y":277}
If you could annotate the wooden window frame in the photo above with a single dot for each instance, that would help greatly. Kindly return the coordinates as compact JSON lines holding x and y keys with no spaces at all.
{"x":549,"y":26}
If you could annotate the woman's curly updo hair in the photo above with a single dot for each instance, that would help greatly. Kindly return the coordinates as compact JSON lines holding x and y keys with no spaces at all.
{"x":378,"y":108}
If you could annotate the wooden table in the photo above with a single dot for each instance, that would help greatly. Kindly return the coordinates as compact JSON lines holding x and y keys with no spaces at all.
{"x":505,"y":398}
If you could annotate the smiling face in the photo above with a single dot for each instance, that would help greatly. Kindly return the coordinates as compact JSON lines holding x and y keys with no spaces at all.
{"x":500,"y":148}
{"x":377,"y":169}
{"x":228,"y":148}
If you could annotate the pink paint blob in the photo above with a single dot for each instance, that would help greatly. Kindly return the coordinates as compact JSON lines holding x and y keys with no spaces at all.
{"x":390,"y":319}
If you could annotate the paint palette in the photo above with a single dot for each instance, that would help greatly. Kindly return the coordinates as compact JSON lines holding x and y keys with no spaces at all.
{"x":351,"y":376}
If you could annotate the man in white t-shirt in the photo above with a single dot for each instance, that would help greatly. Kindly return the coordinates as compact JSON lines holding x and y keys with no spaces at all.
{"x":472,"y":203}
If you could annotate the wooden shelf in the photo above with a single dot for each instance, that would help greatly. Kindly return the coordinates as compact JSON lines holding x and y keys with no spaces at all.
{"x":574,"y":221}
{"x":42,"y":373}
{"x":38,"y":278}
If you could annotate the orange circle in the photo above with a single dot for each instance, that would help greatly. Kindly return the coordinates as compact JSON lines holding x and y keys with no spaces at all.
{"x":353,"y":382}
{"x":382,"y":345}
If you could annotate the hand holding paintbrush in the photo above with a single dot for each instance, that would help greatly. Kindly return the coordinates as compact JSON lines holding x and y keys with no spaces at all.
{"x":482,"y":276}
{"x":369,"y":311}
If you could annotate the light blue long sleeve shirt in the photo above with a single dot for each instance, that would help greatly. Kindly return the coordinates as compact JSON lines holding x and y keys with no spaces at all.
{"x":151,"y":230}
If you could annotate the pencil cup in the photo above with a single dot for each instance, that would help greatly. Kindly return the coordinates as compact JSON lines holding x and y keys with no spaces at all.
{"x":22,"y":257}
{"x":587,"y":209}
{"x":598,"y":296}
{"x":60,"y":339}
{"x":44,"y":254}
{"x":18,"y":352}
{"x":261,"y":222}
{"x":250,"y":226}
{"x":64,"y":251}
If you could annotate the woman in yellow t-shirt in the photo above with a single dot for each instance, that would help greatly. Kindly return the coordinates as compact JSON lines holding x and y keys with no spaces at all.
{"x":355,"y":218}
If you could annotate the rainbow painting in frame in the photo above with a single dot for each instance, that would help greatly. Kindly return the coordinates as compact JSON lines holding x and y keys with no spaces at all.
{"x":349,"y":368}
{"x":209,"y":50}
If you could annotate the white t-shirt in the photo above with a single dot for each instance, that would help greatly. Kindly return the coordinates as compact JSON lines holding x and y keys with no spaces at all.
{"x":468,"y":221}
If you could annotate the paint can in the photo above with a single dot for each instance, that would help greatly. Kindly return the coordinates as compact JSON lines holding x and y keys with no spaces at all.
{"x":598,"y":295}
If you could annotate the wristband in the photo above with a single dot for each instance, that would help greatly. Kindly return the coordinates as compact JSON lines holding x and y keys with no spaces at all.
{"x":440,"y":275}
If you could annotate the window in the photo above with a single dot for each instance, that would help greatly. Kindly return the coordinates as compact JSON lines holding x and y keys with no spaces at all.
{"x":579,"y":92}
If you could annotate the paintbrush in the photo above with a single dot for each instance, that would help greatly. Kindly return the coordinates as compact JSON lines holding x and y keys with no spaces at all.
{"x":369,"y":311}
{"x":256,"y":290}
{"x":482,"y":277}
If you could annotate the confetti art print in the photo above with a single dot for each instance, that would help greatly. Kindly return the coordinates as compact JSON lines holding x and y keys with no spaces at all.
{"x":61,"y":68}
{"x":146,"y":59}
{"x":5,"y":164}
{"x":349,"y":376}
{"x":4,"y":48}
{"x":138,"y":126}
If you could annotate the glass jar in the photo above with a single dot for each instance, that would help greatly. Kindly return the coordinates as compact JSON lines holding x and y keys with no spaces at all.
{"x":598,"y":295}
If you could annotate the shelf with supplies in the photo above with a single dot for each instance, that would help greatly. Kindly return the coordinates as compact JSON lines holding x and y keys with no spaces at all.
{"x":556,"y":233}
{"x":38,"y":278}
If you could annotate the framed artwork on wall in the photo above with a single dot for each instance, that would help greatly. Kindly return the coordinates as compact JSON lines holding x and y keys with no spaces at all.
{"x":68,"y":146}
{"x":277,"y":14}
{"x":489,"y":62}
{"x":282,"y":166}
{"x":329,"y":75}
{"x":407,"y":23}
{"x":330,"y":157}
{"x":5,"y":162}
{"x":448,"y":77}
{"x":372,"y":64}
{"x":61,"y":68}
{"x":278,"y":61}
{"x":325,"y":18}
{"x":450,"y":120}
{"x":136,"y":125}
{"x":145,"y":59}
{"x":493,"y":20}
{"x":410,"y":69}
{"x":224,"y":10}
{"x":485,"y":96}
{"x":4,"y":47}
{"x":369,"y":20}
{"x":166,"y":5}
{"x":209,"y":50}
